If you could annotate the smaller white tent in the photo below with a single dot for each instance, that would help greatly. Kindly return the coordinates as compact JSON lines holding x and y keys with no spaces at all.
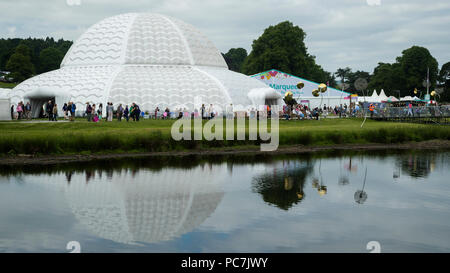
{"x":5,"y":104}
{"x":407,"y":98}
{"x":382,"y":97}
{"x":392,"y":99}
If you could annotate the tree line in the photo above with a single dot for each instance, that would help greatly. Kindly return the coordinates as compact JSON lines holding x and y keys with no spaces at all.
{"x":282,"y":47}
{"x":25,"y":58}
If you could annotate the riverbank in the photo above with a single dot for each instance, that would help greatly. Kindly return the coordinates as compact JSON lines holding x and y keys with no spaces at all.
{"x":83,"y":139}
{"x":283,"y":150}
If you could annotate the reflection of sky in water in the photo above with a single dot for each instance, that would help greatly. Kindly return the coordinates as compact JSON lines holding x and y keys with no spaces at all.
{"x":274,"y":206}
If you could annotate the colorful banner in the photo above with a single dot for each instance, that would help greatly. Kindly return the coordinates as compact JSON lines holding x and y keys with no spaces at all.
{"x":283,"y":82}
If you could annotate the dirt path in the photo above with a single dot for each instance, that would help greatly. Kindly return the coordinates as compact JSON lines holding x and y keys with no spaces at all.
{"x":294,"y":149}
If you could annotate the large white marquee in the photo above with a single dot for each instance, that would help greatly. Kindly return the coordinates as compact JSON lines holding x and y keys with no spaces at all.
{"x":150,"y":59}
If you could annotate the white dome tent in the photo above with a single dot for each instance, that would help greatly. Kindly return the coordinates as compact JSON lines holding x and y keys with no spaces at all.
{"x":150,"y":59}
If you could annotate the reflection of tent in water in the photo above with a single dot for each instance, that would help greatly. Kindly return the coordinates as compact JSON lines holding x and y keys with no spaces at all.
{"x":318,"y":183}
{"x":149,"y":207}
{"x":284,"y":187}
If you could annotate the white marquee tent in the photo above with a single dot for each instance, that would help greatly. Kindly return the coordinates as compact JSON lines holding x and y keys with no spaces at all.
{"x":284,"y":82}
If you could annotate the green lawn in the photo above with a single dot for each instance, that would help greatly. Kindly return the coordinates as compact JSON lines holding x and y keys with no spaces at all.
{"x":7,"y":85}
{"x":154,"y":135}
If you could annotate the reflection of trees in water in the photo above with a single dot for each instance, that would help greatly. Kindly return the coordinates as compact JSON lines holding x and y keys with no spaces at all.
{"x":419,"y":164}
{"x":284,"y":186}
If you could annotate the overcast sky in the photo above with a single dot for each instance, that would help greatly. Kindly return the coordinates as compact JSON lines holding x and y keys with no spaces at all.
{"x":340,"y":33}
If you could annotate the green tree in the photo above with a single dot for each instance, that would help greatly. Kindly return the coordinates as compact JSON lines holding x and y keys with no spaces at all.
{"x":282,"y":47}
{"x":444,"y":82}
{"x":414,"y":63}
{"x":343,"y":74}
{"x":353,"y":76}
{"x":407,"y":73}
{"x":234,"y":58}
{"x":49,"y":59}
{"x":20,"y":65}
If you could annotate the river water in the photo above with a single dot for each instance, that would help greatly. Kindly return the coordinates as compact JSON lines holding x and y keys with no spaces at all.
{"x":329,"y":202}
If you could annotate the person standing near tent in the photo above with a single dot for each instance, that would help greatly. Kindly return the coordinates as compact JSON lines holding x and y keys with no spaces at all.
{"x":100,"y":111}
{"x":410,"y":112}
{"x":65,"y":111}
{"x":371,"y":109}
{"x":156,"y":112}
{"x":126,"y":113}
{"x":110,"y":110}
{"x":89,"y":112}
{"x":28,"y":110}
{"x":119,"y":112}
{"x":55,"y":112}
{"x":203,"y":111}
{"x":73,"y":107}
{"x":137,"y":111}
{"x":49,"y":110}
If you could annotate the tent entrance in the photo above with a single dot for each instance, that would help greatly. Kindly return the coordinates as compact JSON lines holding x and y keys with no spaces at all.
{"x":39,"y":105}
{"x":270,"y":101}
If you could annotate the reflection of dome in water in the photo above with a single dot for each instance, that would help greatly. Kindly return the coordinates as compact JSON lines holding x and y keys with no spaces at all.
{"x":148,"y":207}
{"x":151,"y":59}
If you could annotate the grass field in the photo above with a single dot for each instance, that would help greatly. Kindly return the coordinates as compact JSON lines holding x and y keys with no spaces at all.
{"x":81,"y":137}
{"x":7,"y":85}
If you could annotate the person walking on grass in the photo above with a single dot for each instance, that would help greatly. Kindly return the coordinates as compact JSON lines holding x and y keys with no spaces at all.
{"x":126,"y":113}
{"x":55,"y":112}
{"x":28,"y":111}
{"x":94,"y":113}
{"x":119,"y":112}
{"x":72,"y":108}
{"x":156,"y":112}
{"x":132,"y":112}
{"x":49,"y":110}
{"x":19,"y":110}
{"x":137,"y":111}
{"x":88,"y":112}
{"x":110,"y":110}
{"x":100,"y":111}
{"x":65,"y":111}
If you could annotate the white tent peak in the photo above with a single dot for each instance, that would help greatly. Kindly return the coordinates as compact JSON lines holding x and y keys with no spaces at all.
{"x":383,"y":96}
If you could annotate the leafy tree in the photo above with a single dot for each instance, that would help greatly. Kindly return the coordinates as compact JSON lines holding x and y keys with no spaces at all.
{"x":282,"y":47}
{"x":353,"y":76}
{"x":20,"y":64}
{"x":35,"y":47}
{"x":234,"y":58}
{"x":407,"y":73}
{"x":344,"y":74}
{"x":414,"y":63}
{"x":444,"y":82}
{"x":50,"y":59}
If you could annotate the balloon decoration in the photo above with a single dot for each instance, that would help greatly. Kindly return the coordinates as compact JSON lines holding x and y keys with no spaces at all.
{"x":288,"y":94}
{"x":415,"y":91}
{"x":300,"y":85}
{"x":323,"y":88}
{"x":315,"y":92}
{"x":433,"y":93}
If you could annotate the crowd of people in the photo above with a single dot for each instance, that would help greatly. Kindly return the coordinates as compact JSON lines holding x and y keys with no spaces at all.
{"x":23,"y":111}
{"x":300,"y":111}
{"x":95,"y":113}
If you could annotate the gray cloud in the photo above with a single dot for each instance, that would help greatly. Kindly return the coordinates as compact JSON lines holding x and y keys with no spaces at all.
{"x":339,"y":33}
